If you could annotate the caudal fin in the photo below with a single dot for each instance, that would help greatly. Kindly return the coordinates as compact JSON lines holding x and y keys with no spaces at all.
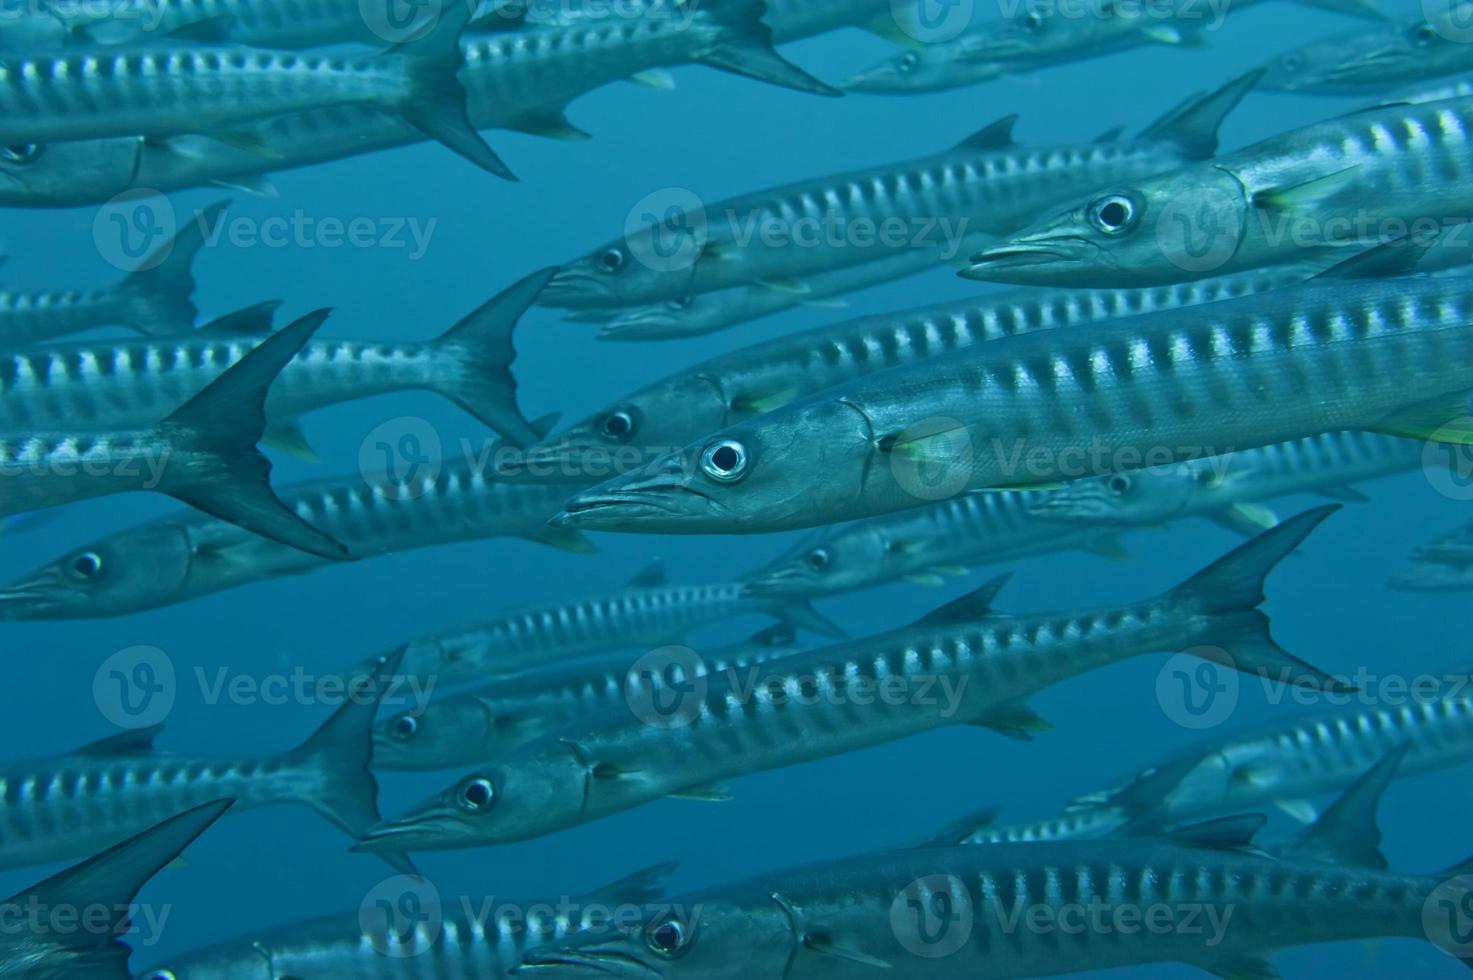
{"x":743,"y":45}
{"x":1229,"y":592}
{"x":110,"y":881}
{"x":159,"y":293}
{"x":339,"y":754}
{"x":482,"y":344}
{"x":224,"y":474}
{"x":435,"y":102}
{"x":1193,"y":125}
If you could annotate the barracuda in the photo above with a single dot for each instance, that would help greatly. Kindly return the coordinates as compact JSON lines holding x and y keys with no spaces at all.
{"x":734,"y":387}
{"x":1390,"y":355}
{"x":476,"y":725}
{"x":986,"y":184}
{"x":108,"y":883}
{"x":1370,"y":60}
{"x":694,"y":316}
{"x":1290,"y":763}
{"x":1205,"y":897}
{"x":154,"y":301}
{"x":480,"y":938}
{"x":122,"y":385}
{"x":167,"y":90}
{"x":963,"y":664}
{"x":203,"y":453}
{"x":175,"y":559}
{"x":1441,"y":565}
{"x":1326,"y":189}
{"x":60,"y":807}
{"x":1227,"y":489}
{"x":646,"y":612}
{"x":520,"y":80}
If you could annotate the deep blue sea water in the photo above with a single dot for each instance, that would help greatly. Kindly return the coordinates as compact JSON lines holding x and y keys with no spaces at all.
{"x":716,"y":135}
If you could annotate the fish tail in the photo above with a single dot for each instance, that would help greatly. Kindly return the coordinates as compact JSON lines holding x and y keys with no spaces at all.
{"x":111,"y":880}
{"x":339,"y":753}
{"x":221,"y":425}
{"x":743,"y":46}
{"x":1228,"y":593}
{"x":800,"y":614}
{"x":159,"y":293}
{"x":435,"y":103}
{"x":482,"y":343}
{"x":1193,"y":126}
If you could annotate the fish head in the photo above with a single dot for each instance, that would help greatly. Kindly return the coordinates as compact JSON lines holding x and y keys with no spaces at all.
{"x":680,"y":317}
{"x":449,"y":732}
{"x":1363,"y":61}
{"x":653,"y":262}
{"x":1176,"y":227}
{"x":709,"y":940}
{"x":67,"y":174}
{"x":1040,"y":35}
{"x":1136,"y":498}
{"x":836,"y":560}
{"x":536,"y":793}
{"x":936,"y":68}
{"x":143,"y":568}
{"x":788,"y":469}
{"x":646,"y":426}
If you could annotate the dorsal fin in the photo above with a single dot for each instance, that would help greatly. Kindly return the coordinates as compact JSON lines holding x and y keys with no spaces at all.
{"x":1193,"y":125}
{"x":1347,"y":832}
{"x":1398,"y":257}
{"x":959,"y":830}
{"x":652,"y":576}
{"x":1110,"y":135}
{"x":1224,"y":834}
{"x":993,"y":136}
{"x":253,"y":321}
{"x":976,"y":604}
{"x":124,"y":743}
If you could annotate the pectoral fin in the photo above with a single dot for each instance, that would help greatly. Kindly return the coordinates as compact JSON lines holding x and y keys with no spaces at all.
{"x":1443,"y":419}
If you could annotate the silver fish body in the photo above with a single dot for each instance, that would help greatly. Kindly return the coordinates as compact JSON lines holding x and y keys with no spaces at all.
{"x":1014,"y":910}
{"x":1329,"y":355}
{"x":1373,"y":59}
{"x":175,"y":559}
{"x":964,"y":664}
{"x":478,"y":724}
{"x":780,"y":236}
{"x":1328,"y":189}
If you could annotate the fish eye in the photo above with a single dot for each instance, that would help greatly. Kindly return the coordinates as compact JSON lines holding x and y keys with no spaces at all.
{"x":1120,"y":483}
{"x":613,"y":260}
{"x":725,"y":461}
{"x":1424,"y":33}
{"x":618,"y":424}
{"x":1292,"y":62}
{"x":405,"y":727}
{"x":667,"y":936}
{"x":819,"y":559}
{"x":1113,"y":215}
{"x":87,"y":566}
{"x":1032,"y":22}
{"x":20,"y":152}
{"x":910,"y":61}
{"x":476,"y":794}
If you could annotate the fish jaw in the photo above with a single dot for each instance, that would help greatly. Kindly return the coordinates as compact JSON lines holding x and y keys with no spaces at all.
{"x":658,"y":499}
{"x":1045,"y":258}
{"x":595,"y":959}
{"x":420,"y":830}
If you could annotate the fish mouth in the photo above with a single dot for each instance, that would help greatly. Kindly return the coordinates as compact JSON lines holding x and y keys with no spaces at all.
{"x":424,"y":832}
{"x":575,"y":288}
{"x":1071,"y":509}
{"x":583,"y":963}
{"x":618,"y":510}
{"x":1001,"y":261}
{"x":35,"y":598}
{"x":879,"y":80}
